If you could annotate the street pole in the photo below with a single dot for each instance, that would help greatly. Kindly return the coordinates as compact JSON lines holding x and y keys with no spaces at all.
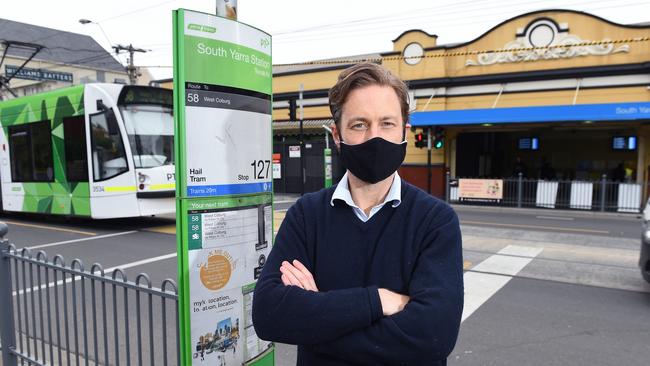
{"x":130,"y":69}
{"x":429,"y":160}
{"x":303,"y":176}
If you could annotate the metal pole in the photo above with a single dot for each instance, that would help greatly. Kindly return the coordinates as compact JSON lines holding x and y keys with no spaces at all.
{"x":7,"y":331}
{"x":429,"y":160}
{"x":520,"y":184}
{"x":603,"y":189}
{"x":302,"y":143}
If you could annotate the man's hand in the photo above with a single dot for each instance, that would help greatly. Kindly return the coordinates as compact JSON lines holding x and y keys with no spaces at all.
{"x":297,"y":274}
{"x":392,"y":302}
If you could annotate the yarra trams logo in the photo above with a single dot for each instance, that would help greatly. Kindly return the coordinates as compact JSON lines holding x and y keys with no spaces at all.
{"x":201,"y":28}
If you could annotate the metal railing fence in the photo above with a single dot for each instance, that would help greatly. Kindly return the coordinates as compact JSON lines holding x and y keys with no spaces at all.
{"x":603,"y":195}
{"x":57,"y":314}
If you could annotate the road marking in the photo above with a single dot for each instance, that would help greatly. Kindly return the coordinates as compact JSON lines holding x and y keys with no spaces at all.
{"x":54,"y":228}
{"x":141,"y":262}
{"x":555,"y":218}
{"x":168,"y":229}
{"x":47,"y":245}
{"x":489,"y":276}
{"x":106,"y":271}
{"x":536,"y":227}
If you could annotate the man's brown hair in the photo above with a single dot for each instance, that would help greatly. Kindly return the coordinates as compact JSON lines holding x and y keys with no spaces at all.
{"x":362,"y":75}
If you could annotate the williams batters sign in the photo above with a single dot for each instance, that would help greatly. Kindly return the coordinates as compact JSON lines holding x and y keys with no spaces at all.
{"x":37,"y":74}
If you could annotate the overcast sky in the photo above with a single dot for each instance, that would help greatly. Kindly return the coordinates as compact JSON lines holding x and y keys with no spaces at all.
{"x":302,"y":29}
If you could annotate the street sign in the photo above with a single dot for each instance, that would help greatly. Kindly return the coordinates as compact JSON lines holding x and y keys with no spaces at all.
{"x":294,"y":151}
{"x":222,"y":105}
{"x":277,"y":166}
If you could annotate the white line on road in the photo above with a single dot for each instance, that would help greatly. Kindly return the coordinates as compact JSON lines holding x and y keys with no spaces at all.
{"x":500,"y":268}
{"x":107,"y":270}
{"x":46,"y":245}
{"x":555,"y":218}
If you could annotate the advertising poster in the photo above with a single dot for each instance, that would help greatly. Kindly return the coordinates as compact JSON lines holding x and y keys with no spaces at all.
{"x":480,"y":189}
{"x":222,"y":110}
{"x":228,"y":240}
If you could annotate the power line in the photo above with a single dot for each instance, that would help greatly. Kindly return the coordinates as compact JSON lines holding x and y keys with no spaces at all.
{"x":137,"y":11}
{"x":363,"y":20}
{"x":399,"y":23}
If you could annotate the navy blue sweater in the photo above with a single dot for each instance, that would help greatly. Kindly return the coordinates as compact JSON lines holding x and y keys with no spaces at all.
{"x":413,"y":249}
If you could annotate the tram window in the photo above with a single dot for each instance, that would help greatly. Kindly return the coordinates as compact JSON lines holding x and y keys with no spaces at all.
{"x":30,"y":146}
{"x":76,"y":162}
{"x":21,"y":154}
{"x":109,"y":156}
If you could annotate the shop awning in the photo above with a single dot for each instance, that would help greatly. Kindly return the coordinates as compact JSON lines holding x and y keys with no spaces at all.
{"x":309,"y":126}
{"x":555,"y":113}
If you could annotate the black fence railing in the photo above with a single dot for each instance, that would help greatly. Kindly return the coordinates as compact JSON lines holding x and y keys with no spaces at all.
{"x":57,"y":314}
{"x":602,"y":195}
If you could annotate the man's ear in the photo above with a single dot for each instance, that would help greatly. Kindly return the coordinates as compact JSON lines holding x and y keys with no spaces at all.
{"x":336,"y":135}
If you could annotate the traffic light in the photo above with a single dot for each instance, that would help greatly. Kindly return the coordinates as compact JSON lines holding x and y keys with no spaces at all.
{"x":420,"y":140}
{"x":439,"y":138}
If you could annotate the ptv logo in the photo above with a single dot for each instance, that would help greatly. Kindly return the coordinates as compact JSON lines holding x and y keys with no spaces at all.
{"x":265,"y":42}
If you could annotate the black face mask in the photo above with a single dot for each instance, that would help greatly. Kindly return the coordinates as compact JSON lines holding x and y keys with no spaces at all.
{"x":373,"y":160}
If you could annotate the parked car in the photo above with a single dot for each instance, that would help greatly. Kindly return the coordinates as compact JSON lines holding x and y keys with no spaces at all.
{"x":644,"y":259}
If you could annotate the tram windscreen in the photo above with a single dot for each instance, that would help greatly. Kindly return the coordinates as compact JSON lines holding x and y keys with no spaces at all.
{"x":151,"y":134}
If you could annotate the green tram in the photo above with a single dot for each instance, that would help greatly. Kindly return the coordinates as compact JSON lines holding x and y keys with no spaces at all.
{"x":95,"y":150}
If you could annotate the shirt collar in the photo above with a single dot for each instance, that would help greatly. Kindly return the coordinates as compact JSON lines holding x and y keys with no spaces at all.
{"x":342,"y":192}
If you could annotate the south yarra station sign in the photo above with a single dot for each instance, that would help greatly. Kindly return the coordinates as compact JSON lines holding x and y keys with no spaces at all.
{"x":222,"y":109}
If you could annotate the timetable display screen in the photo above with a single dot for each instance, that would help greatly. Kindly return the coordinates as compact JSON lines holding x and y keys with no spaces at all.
{"x":528,"y":143}
{"x":624,"y":143}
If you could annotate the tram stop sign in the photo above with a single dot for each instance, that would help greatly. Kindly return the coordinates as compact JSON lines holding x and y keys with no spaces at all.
{"x":224,"y":216}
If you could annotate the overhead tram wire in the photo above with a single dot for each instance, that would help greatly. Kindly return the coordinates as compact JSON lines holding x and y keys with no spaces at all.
{"x":428,"y":17}
{"x":381,"y":30}
{"x":136,"y":11}
{"x":364,"y":20}
{"x":455,"y":24}
{"x":385,"y":28}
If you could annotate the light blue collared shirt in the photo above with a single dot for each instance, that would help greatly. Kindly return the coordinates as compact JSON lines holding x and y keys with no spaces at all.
{"x":342,"y":192}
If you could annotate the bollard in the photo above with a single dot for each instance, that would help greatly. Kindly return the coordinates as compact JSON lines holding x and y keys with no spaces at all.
{"x":7,"y":331}
{"x":520,"y":184}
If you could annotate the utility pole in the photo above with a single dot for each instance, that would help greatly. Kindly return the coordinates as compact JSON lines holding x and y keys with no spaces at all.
{"x":130,"y":68}
{"x":429,"y":160}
